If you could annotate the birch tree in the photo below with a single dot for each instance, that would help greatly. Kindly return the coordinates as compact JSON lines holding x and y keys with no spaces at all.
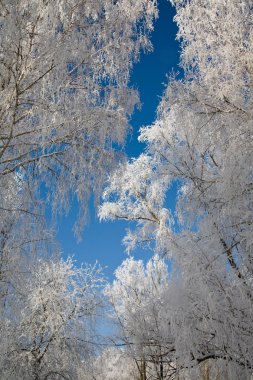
{"x":65,"y":102}
{"x":113,"y":363}
{"x":65,"y":96}
{"x":202,"y":142}
{"x":139,"y":299}
{"x":46,"y":327}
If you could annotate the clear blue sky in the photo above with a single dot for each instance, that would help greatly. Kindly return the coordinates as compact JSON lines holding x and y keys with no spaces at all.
{"x":102,"y":241}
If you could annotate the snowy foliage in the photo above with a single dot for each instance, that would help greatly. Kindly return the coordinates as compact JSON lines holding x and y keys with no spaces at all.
{"x":113,"y":364}
{"x":65,"y":102}
{"x":64,"y":89}
{"x":202,"y":139}
{"x":47,"y":328}
{"x":139,"y":299}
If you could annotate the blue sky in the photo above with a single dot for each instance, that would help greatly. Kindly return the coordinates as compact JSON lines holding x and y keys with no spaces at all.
{"x":103,"y":241}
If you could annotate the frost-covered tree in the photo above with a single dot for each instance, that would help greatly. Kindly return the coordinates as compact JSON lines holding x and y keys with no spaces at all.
{"x":46,"y":326}
{"x":64,"y":95}
{"x":201,"y":142}
{"x":23,"y":235}
{"x":138,"y":297}
{"x":65,"y":102}
{"x":48,"y":307}
{"x":113,"y":364}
